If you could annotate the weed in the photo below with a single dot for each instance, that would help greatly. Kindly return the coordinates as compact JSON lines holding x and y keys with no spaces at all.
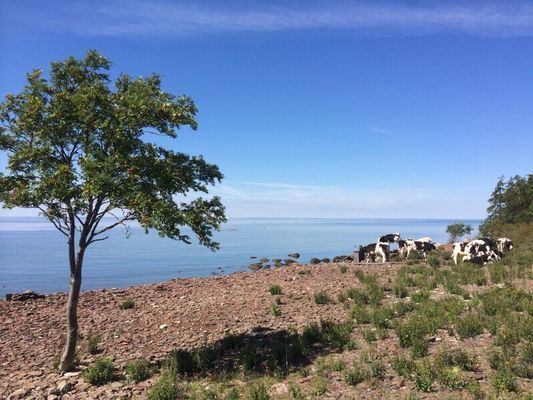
{"x":377,"y":369}
{"x":343,"y":269}
{"x":295,"y":391}
{"x":354,"y":376}
{"x":420,"y":296}
{"x":456,"y":358}
{"x":375,"y":293}
{"x":92,"y":344}
{"x":275,"y":290}
{"x":358,"y":296}
{"x":127,"y":304}
{"x":504,"y":381}
{"x":360,"y":314}
{"x":323,"y":298}
{"x":370,"y":335}
{"x":419,"y":347}
{"x":433,"y":260}
{"x":403,"y":366}
{"x":138,"y":370}
{"x":257,"y":391}
{"x":102,"y":371}
{"x":400,"y":289}
{"x":275,"y":310}
{"x":341,"y":297}
{"x":278,"y":301}
{"x":165,"y":388}
{"x":469,"y":325}
{"x":424,"y":376}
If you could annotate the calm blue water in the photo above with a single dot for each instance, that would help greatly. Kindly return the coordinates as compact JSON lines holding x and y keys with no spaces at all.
{"x":33,"y":255}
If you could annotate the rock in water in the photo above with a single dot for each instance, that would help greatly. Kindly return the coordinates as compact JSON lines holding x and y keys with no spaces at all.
{"x":289,"y":262}
{"x":255,"y":267}
{"x":325,"y":260}
{"x":294,"y":255}
{"x":342,"y":259}
{"x":314,"y":260}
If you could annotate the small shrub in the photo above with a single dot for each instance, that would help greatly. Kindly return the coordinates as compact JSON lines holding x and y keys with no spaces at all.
{"x":433,"y":260}
{"x":164,"y":389}
{"x":275,"y":290}
{"x":295,"y":392}
{"x":232,"y":394}
{"x":358,"y":296}
{"x":343,"y":269}
{"x":257,"y":391}
{"x":504,"y":381}
{"x":354,"y":376}
{"x":424,"y":376}
{"x":127,"y":304}
{"x":102,"y":371}
{"x":469,"y":325}
{"x":369,"y":335}
{"x":275,"y":310}
{"x":377,"y":369}
{"x":419,"y":347}
{"x":400,"y":290}
{"x":93,"y":344}
{"x":277,"y":301}
{"x":375,"y":293}
{"x":338,"y":365}
{"x":321,"y":387}
{"x":420,"y":296}
{"x":360,"y":314}
{"x":450,"y":377}
{"x":456,"y":358}
{"x":138,"y":370}
{"x":322,"y":298}
{"x":341,"y":297}
{"x":403,"y":366}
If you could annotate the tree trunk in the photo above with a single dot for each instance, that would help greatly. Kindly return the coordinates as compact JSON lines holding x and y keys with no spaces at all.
{"x":69,"y":353}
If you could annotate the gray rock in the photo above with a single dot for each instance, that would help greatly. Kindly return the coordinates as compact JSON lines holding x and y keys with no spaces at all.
{"x":294,"y":255}
{"x":314,"y":260}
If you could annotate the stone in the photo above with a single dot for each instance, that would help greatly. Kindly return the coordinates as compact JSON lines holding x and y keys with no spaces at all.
{"x":71,"y":374}
{"x":65,"y":386}
{"x":163,"y":326}
{"x":314,"y":260}
{"x":294,"y":255}
{"x":279,"y":389}
{"x":17,"y":394}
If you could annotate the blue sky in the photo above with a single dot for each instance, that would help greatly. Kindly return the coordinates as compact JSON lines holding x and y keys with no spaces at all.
{"x":318,"y":109}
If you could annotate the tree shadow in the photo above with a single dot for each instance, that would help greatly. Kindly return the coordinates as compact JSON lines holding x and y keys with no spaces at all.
{"x":262,"y":351}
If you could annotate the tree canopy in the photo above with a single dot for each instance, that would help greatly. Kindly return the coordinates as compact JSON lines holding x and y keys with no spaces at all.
{"x":78,"y":151}
{"x":458,"y":230}
{"x":511,"y":202}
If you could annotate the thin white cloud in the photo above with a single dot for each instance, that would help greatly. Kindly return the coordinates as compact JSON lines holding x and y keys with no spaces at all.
{"x":135,"y":17}
{"x":295,"y":201}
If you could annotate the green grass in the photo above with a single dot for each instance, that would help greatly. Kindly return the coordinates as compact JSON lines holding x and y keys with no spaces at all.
{"x":323,"y":298}
{"x":275,"y":290}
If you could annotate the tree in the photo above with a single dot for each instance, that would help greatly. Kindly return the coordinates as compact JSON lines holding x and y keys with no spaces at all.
{"x":458,"y":230}
{"x":511,"y":202}
{"x":78,"y":150}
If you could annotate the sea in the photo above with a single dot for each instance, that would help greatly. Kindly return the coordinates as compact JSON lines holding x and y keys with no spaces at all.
{"x":33,"y":254}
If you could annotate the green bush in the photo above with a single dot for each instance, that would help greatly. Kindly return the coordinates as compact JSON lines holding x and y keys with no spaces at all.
{"x":456,"y":358}
{"x":433,"y":260}
{"x":275,"y":290}
{"x":424,"y":376}
{"x":504,"y":381}
{"x":102,"y":371}
{"x":127,"y":304}
{"x":358,"y":296}
{"x":257,"y":391}
{"x":403,"y":366}
{"x":400,"y":289}
{"x":360,"y":314}
{"x":323,"y":298}
{"x":354,"y":376}
{"x":469,"y":325}
{"x":92,"y":344}
{"x":138,"y":370}
{"x":165,"y":388}
{"x":377,"y":369}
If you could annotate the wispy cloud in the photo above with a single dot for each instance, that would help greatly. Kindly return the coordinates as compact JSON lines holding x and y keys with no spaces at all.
{"x":248,"y":199}
{"x":135,"y":17}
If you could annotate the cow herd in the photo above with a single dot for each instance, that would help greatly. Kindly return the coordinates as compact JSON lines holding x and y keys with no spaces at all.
{"x":478,"y":251}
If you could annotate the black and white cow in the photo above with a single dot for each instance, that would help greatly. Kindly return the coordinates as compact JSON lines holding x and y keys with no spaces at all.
{"x":373,"y":250}
{"x":504,"y":245}
{"x":390,"y":238}
{"x":421,"y":247}
{"x":478,"y":251}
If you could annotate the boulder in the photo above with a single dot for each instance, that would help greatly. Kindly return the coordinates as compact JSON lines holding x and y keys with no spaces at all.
{"x":294,"y":255}
{"x":255,"y":267}
{"x":325,"y":260}
{"x":314,"y":260}
{"x":289,"y":262}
